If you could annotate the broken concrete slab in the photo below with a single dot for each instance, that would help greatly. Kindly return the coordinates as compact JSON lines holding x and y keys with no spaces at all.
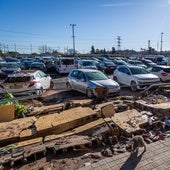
{"x":160,"y":110}
{"x":108,"y":110}
{"x":58,"y":123}
{"x":87,"y":129}
{"x":129,"y":121}
{"x":10,"y":131}
{"x":47,"y":109}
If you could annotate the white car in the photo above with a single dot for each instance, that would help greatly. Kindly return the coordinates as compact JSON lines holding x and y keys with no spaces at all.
{"x":163,"y":72}
{"x":27,"y":82}
{"x":86,"y":64}
{"x":134,"y":77}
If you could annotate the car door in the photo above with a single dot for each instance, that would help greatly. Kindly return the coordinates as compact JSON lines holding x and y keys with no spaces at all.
{"x":126,"y":76}
{"x":157,"y":71}
{"x":81,"y":82}
{"x":122,"y":75}
{"x":73,"y":79}
{"x":44,"y":80}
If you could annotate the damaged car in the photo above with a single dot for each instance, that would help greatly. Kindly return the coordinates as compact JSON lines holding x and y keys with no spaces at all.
{"x":87,"y":80}
{"x":27,"y":82}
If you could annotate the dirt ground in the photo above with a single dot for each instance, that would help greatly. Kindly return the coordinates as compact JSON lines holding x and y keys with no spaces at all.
{"x":73,"y":159}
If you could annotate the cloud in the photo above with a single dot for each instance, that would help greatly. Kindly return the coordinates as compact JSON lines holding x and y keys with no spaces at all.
{"x":116,"y":5}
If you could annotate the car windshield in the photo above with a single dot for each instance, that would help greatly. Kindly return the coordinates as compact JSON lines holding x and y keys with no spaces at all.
{"x":37,"y":66}
{"x":109,"y":63}
{"x":167,"y":70}
{"x":96,"y":76}
{"x":138,"y":62}
{"x":138,"y":70}
{"x":7,"y":65}
{"x":88,"y":63}
{"x":120,"y":62}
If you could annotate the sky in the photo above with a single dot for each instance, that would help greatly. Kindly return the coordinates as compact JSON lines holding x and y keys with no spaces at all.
{"x":25,"y":25}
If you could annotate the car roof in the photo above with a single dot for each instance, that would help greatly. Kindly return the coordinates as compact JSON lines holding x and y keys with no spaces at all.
{"x":37,"y":63}
{"x":87,"y":70}
{"x":67,"y":58}
{"x":161,"y":66}
{"x":23,"y":73}
{"x":129,"y":66}
{"x":86,"y":60}
{"x":11,"y":63}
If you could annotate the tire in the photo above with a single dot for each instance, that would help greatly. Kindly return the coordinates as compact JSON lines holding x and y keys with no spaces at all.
{"x":89,"y":93}
{"x":133,"y":86}
{"x":115,"y":79}
{"x":40,"y":92}
{"x":51,"y":85}
{"x":68,"y":86}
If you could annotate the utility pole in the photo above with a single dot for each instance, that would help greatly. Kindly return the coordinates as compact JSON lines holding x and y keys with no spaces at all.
{"x":157,"y":46}
{"x":31,"y":48}
{"x":161,"y":42}
{"x":4,"y":48}
{"x":15,"y":50}
{"x":118,"y":43}
{"x":149,"y":44}
{"x":73,"y":25}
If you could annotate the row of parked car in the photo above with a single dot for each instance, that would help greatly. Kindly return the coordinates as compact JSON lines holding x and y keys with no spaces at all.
{"x":10,"y":64}
{"x":87,"y":79}
{"x":138,"y":75}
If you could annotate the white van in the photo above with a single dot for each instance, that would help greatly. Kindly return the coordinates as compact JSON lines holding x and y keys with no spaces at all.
{"x":65,"y":64}
{"x":158,"y":59}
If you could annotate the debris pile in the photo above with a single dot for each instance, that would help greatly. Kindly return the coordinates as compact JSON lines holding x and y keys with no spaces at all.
{"x":155,"y":99}
{"x":81,"y":128}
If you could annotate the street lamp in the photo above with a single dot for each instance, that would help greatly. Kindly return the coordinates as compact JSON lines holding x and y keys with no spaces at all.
{"x":161,"y":42}
{"x":73,"y":25}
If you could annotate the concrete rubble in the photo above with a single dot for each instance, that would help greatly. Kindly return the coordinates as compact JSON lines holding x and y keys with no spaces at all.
{"x":78,"y":126}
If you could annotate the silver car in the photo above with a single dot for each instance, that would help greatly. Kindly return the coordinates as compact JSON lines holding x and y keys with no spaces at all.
{"x":87,"y":80}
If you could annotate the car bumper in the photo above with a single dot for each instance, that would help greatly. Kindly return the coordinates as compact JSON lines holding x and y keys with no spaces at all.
{"x":142,"y":86}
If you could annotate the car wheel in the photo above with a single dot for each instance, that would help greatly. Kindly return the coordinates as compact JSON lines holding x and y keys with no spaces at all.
{"x":115,"y":79}
{"x":51,"y":85}
{"x":40,"y":92}
{"x":133,"y":86}
{"x":68,"y":86}
{"x":89,"y":93}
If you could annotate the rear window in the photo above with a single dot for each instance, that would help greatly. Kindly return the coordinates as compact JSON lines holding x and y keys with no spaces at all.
{"x":11,"y":65}
{"x":167,"y":70}
{"x":67,"y":61}
{"x":17,"y":79}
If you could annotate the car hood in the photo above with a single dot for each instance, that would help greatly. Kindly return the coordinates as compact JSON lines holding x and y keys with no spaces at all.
{"x":146,"y":76}
{"x":105,"y":83}
{"x":88,"y":67}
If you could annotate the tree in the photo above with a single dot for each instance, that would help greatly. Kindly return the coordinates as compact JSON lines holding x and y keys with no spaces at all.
{"x":92,"y":49}
{"x":113,"y":50}
{"x":97,"y":51}
{"x":1,"y":55}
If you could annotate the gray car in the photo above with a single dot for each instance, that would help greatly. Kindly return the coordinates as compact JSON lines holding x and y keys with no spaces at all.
{"x":87,"y":80}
